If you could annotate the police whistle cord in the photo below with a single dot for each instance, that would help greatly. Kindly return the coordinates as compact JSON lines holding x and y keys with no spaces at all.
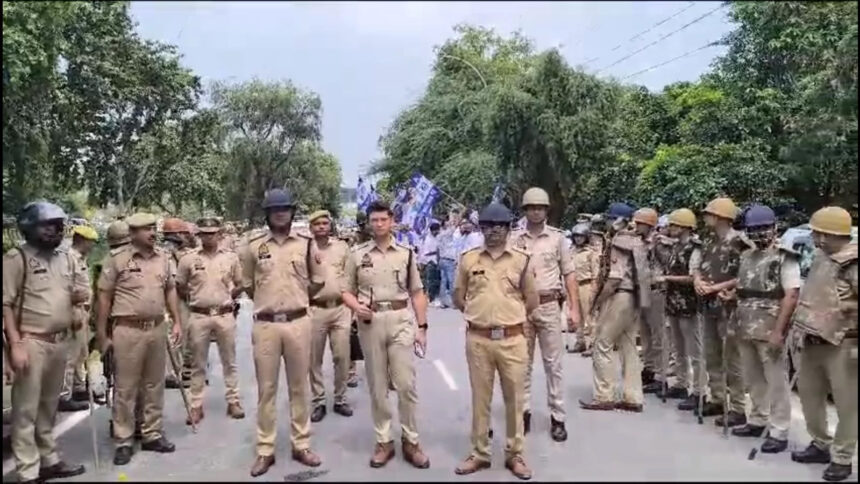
{"x":176,"y":371}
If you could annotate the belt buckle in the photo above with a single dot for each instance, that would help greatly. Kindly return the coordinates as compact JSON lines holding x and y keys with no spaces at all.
{"x":147,"y":325}
{"x":213,"y":311}
{"x":384,"y":306}
{"x":497,"y":333}
{"x":279,"y":318}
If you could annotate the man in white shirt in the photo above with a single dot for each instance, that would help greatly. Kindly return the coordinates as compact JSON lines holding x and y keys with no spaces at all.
{"x":470,"y":238}
{"x":447,"y":244}
{"x":428,"y":258}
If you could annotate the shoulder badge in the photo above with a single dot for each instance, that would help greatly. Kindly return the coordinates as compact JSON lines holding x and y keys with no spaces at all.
{"x":366,"y":261}
{"x":263,"y":251}
{"x":846,"y":255}
{"x":520,"y":243}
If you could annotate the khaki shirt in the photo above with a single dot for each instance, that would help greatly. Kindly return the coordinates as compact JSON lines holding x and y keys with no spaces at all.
{"x":550,"y":258}
{"x":210,"y":279}
{"x":331,"y":262}
{"x":50,"y":280}
{"x":586,"y":260}
{"x":621,"y":267}
{"x":372,"y":273}
{"x":138,"y":283}
{"x":495,"y":289}
{"x":277,"y":272}
{"x":80,"y":312}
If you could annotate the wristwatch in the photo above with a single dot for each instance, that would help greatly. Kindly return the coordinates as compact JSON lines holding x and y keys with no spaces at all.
{"x":422,"y":326}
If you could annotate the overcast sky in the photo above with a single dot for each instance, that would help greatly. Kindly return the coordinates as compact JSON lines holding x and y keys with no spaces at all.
{"x":369,"y":60}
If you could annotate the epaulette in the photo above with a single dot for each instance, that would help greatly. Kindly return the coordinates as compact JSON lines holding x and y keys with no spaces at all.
{"x":553,"y":229}
{"x":402,"y":246}
{"x":521,"y":251}
{"x":256,"y":236}
{"x":626,"y":240}
{"x":359,"y":246}
{"x":117,"y":250}
{"x":303,"y":235}
{"x":846,"y":255}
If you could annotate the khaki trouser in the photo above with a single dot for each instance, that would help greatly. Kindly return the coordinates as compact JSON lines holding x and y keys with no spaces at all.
{"x":507,"y":356}
{"x":585,"y":331}
{"x":334,"y":324}
{"x":139,"y":356}
{"x":200,"y":330}
{"x":652,"y":327}
{"x":544,"y":323}
{"x":35,"y":394}
{"x":766,"y":373}
{"x":75,"y":378}
{"x":619,"y":322}
{"x":823,"y":368}
{"x":387,"y":343}
{"x":689,"y":362}
{"x":290,"y":342}
{"x":184,"y":356}
{"x":716,"y":326}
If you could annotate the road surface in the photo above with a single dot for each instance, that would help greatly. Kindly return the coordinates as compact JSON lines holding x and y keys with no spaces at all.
{"x":661,"y":443}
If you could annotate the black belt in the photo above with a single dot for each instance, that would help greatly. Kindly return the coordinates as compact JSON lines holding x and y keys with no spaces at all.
{"x":212,"y":311}
{"x":282,"y":317}
{"x":380,"y":306}
{"x":551,"y":297}
{"x":327,"y":304}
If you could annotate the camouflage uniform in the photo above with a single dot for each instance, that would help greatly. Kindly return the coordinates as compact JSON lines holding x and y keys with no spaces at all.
{"x":652,"y":324}
{"x":720,"y":261}
{"x":763,"y":278}
{"x":681,"y":308}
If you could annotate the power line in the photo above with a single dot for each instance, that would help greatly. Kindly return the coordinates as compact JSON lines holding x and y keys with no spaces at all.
{"x":697,"y":19}
{"x":640,"y":34}
{"x":712,"y":44}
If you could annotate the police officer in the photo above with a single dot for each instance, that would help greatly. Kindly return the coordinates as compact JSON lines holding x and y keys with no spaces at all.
{"x":41,"y":284}
{"x":177,"y":243}
{"x":681,"y":308}
{"x":211,"y":280}
{"x":277,"y":275}
{"x":75,"y":380}
{"x":626,"y":295}
{"x":551,"y":261}
{"x":330,"y":319}
{"x":495,"y":289}
{"x":135,"y":288}
{"x":826,"y":319}
{"x":767,"y":289}
{"x":586,"y":263}
{"x":362,"y":235}
{"x":718,"y":271}
{"x":381,"y":276}
{"x":653,"y":324}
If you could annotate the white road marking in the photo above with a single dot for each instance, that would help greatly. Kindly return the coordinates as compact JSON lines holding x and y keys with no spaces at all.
{"x":445,"y":374}
{"x":67,"y":424}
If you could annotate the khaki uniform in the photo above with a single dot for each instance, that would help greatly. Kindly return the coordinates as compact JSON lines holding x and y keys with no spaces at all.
{"x":586,"y":261}
{"x":387,"y":341}
{"x":619,"y":322}
{"x":720,"y":261}
{"x":46,"y":319}
{"x":653,"y":325}
{"x":763,"y":278}
{"x":210,"y":280}
{"x":75,"y":379}
{"x":826,"y":317}
{"x":495,"y":291}
{"x":681,"y":311}
{"x":276,"y":272}
{"x":330,"y":319}
{"x":185,"y":355}
{"x":138,"y":285}
{"x":550,"y":261}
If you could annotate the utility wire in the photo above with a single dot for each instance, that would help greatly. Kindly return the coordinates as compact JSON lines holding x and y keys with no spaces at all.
{"x":697,"y":19}
{"x":712,"y":44}
{"x":640,"y":34}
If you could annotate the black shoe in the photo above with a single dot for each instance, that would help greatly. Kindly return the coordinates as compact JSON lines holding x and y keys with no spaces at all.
{"x":811,"y":455}
{"x":352,"y":382}
{"x":773,"y":446}
{"x":647,"y":377}
{"x":490,"y":434}
{"x":735,"y":419}
{"x":677,"y":393}
{"x":60,"y":470}
{"x":69,"y":405}
{"x":171,"y":382}
{"x":690,"y":403}
{"x":653,"y":387}
{"x":160,"y":445}
{"x":100,"y":399}
{"x":527,"y":422}
{"x":557,"y":430}
{"x":318,"y":413}
{"x":81,"y":396}
{"x":836,"y":472}
{"x":122,"y":455}
{"x":711,"y":409}
{"x":749,"y":430}
{"x":342,"y":409}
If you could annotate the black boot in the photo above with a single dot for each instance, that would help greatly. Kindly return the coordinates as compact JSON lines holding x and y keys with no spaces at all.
{"x":735,"y":419}
{"x":342,"y":409}
{"x":318,"y":413}
{"x":773,"y":446}
{"x":557,"y":430}
{"x":647,"y":376}
{"x":81,"y":396}
{"x":122,"y":455}
{"x":61,"y":470}
{"x":69,"y":405}
{"x":690,"y":403}
{"x":711,"y":409}
{"x":748,"y":430}
{"x":653,"y":387}
{"x":676,"y":393}
{"x":836,"y":472}
{"x":527,"y":422}
{"x":811,"y":455}
{"x":160,"y":445}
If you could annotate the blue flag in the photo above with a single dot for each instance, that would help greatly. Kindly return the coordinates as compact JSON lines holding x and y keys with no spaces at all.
{"x":414,"y":203}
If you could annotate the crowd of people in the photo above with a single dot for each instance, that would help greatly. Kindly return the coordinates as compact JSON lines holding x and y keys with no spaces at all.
{"x":716,"y":310}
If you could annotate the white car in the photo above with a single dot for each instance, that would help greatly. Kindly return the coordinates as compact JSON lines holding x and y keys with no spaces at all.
{"x":800,"y":240}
